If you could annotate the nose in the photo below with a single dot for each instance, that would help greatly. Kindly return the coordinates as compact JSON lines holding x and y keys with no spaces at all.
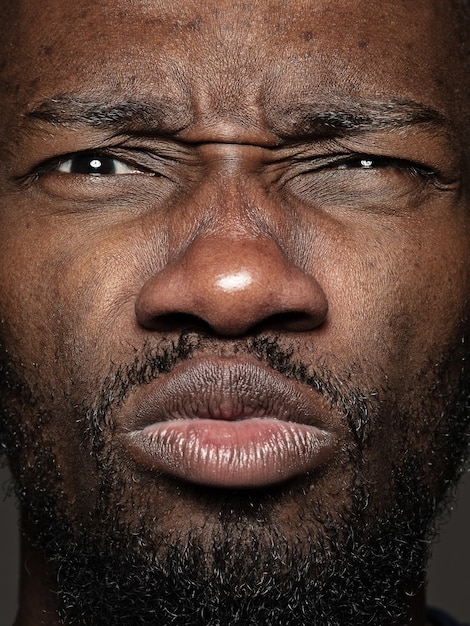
{"x":231,"y":287}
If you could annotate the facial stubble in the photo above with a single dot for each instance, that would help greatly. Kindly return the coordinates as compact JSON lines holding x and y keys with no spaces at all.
{"x":346,"y":558}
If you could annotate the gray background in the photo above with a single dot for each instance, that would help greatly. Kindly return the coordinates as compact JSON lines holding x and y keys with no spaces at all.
{"x":449,"y":586}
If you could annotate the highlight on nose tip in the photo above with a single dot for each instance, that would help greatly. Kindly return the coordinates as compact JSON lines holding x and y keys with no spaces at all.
{"x":234,"y":281}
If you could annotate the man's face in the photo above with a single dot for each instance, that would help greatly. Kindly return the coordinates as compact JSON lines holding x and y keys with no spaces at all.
{"x":234,"y":279}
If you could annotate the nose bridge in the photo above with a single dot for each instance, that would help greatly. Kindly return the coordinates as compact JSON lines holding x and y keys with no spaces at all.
{"x":228,"y":212}
{"x":233,"y":198}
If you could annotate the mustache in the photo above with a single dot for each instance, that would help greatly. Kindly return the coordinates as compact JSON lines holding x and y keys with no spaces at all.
{"x":354,"y":404}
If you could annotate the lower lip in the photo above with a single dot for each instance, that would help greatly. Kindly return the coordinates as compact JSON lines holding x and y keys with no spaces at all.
{"x":255,"y":452}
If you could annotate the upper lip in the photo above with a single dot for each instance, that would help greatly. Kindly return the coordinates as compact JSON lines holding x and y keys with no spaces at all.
{"x":227,"y":389}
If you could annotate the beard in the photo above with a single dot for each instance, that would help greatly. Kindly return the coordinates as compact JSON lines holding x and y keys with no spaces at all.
{"x":351,"y":549}
{"x":250,"y":575}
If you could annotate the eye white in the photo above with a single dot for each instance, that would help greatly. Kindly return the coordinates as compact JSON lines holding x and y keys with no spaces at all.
{"x":364,"y":164}
{"x":90,"y":166}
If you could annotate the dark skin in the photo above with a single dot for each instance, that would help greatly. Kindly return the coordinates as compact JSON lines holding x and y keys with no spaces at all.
{"x":297,"y":174}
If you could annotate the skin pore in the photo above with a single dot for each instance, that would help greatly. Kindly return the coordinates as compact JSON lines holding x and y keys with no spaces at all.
{"x":243,"y":208}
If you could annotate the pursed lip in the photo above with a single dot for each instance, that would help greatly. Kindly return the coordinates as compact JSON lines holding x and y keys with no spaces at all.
{"x":228,"y":423}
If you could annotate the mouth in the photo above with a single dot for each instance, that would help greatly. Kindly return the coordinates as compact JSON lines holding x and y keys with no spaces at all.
{"x":228,"y":423}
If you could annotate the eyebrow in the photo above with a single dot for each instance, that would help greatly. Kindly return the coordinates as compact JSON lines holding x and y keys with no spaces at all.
{"x":73,"y":111}
{"x":327,"y":121}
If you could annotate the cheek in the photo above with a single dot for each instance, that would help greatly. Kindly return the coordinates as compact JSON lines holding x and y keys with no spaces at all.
{"x":29,"y":278}
{"x":398,"y":310}
{"x":398,"y":295}
{"x":65,"y":290}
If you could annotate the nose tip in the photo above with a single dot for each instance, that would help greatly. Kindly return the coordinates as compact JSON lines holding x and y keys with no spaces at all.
{"x":231,"y":288}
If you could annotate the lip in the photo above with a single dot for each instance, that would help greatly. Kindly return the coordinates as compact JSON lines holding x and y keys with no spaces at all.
{"x":228,"y":423}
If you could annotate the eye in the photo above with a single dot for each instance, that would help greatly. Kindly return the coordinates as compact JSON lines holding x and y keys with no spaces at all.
{"x":363,"y":181}
{"x":95,"y":164}
{"x":367,"y":163}
{"x":370,"y":163}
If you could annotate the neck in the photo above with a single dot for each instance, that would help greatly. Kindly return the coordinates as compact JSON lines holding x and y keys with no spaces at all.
{"x":417,"y":608}
{"x":37,"y":597}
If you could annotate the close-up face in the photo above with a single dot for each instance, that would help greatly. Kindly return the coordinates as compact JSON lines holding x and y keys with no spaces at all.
{"x":234,"y":282}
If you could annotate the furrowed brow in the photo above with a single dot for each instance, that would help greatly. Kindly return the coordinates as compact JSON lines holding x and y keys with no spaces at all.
{"x":316,"y":121}
{"x":138,"y":116}
{"x":324,"y":122}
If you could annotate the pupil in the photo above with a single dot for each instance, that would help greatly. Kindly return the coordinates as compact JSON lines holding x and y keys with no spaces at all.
{"x":90,"y":165}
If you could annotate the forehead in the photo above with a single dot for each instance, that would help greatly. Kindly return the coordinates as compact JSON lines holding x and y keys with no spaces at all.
{"x":241,"y":61}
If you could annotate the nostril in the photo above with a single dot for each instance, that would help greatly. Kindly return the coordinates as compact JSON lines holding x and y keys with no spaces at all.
{"x":290,"y":321}
{"x":177,"y":322}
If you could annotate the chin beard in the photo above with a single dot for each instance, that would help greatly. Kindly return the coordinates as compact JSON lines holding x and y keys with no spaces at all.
{"x":358,"y":570}
{"x":356,"y":563}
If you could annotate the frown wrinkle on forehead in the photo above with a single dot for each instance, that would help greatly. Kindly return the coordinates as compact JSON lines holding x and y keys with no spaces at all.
{"x":256,"y":64}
